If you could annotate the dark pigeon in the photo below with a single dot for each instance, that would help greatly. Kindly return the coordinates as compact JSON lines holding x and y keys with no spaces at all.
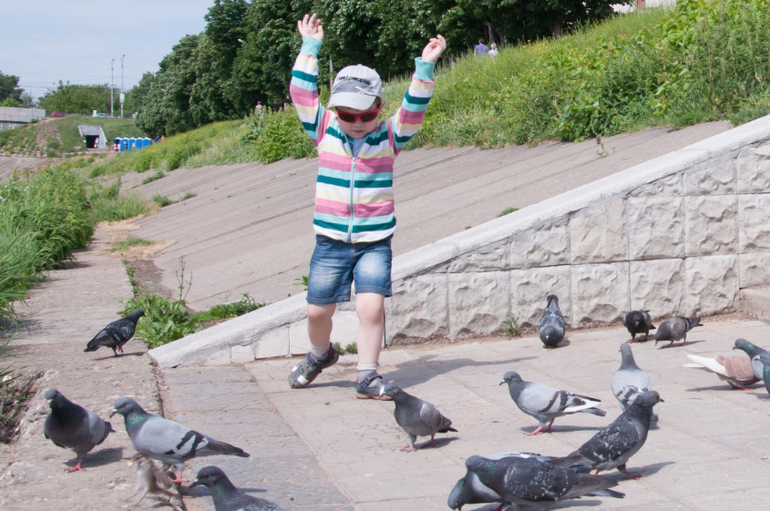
{"x":675,"y":329}
{"x":638,"y":322}
{"x":629,"y":380}
{"x":764,"y":359}
{"x":614,"y":445}
{"x":532,"y":483}
{"x":470,"y":490}
{"x":752,"y":350}
{"x":546,"y":403}
{"x":116,"y":334}
{"x":415,"y":416}
{"x":226,"y":496}
{"x":165,"y":440}
{"x":72,"y":426}
{"x":552,"y":323}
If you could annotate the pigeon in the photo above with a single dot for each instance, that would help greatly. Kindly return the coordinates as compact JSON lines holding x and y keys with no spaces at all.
{"x":764,"y":359}
{"x":415,"y":416}
{"x":546,"y":403}
{"x":614,"y":445}
{"x":470,"y":490}
{"x":151,"y":479}
{"x":165,"y":440}
{"x":629,"y":381}
{"x":638,"y":322}
{"x":674,"y":329}
{"x":552,"y":323}
{"x":116,"y":334}
{"x":530,"y":483}
{"x":226,"y":496}
{"x":72,"y":426}
{"x":735,"y":370}
{"x":752,"y":350}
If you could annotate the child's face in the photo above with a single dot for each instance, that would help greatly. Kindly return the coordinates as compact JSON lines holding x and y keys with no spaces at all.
{"x":358,"y":128}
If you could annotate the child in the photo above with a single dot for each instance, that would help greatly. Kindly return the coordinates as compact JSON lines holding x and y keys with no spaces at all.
{"x":354,"y":218}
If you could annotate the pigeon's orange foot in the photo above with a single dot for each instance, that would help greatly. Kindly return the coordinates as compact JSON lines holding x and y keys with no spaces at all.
{"x":76,"y":468}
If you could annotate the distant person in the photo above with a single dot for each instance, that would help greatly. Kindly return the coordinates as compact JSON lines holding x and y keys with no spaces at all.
{"x":481,"y":49}
{"x":259,"y":108}
{"x":354,"y":219}
{"x":493,"y":50}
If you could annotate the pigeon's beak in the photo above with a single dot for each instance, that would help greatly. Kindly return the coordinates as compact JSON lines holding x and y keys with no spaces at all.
{"x":660,"y":400}
{"x":113,"y":412}
{"x":501,"y":383}
{"x":193,"y":484}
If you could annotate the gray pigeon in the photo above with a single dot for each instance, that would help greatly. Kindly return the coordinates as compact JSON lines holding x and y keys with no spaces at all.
{"x":752,"y":350}
{"x":629,"y":381}
{"x":764,"y":359}
{"x":415,"y":416}
{"x":116,"y":334}
{"x":552,"y":323}
{"x":675,"y":329}
{"x":72,"y":426}
{"x":226,"y":496}
{"x":165,"y":440}
{"x":638,"y":322}
{"x":614,"y":445}
{"x":532,"y":483}
{"x":546,"y":403}
{"x":470,"y":489}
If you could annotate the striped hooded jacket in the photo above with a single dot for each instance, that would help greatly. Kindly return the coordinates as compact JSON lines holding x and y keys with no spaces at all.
{"x":354,"y":196}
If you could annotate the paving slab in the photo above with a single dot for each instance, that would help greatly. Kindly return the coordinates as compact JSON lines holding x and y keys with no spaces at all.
{"x":248,"y":229}
{"x":322,"y":447}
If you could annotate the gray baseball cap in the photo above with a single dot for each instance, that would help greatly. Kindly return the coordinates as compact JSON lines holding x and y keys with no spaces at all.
{"x":356,"y":87}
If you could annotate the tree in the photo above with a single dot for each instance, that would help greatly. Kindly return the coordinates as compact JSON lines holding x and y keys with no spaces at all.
{"x":76,"y":99}
{"x":138,"y":94}
{"x":9,"y":87}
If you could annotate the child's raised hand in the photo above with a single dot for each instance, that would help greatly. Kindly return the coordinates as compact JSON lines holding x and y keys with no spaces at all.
{"x":309,"y":26}
{"x":434,"y":49}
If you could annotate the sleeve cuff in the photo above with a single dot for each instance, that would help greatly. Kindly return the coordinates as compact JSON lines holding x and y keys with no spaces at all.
{"x":310,"y":46}
{"x":423,"y":70}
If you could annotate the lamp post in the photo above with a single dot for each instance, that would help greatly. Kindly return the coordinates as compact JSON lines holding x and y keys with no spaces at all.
{"x":122,"y":96}
{"x":112,"y":85}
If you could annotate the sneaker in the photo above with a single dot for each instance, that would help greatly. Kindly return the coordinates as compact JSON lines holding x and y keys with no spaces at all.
{"x":369,"y":388}
{"x":306,"y":371}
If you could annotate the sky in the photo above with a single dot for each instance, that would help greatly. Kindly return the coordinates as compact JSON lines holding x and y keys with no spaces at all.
{"x":44,"y":41}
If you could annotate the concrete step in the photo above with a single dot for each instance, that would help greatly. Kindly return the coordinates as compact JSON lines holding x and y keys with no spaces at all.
{"x":755,"y":301}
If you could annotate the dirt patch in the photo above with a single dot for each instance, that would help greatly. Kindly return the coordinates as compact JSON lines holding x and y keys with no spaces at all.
{"x":15,"y":395}
{"x":147,"y":278}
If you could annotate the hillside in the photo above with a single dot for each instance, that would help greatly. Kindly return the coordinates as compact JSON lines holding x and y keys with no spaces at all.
{"x":59,"y":137}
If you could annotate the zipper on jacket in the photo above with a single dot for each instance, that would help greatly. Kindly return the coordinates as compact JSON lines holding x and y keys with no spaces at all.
{"x":352,"y":187}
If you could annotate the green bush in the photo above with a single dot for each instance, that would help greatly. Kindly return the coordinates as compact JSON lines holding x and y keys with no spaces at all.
{"x":116,"y":209}
{"x":165,"y":320}
{"x":228,"y":310}
{"x":277,"y":136}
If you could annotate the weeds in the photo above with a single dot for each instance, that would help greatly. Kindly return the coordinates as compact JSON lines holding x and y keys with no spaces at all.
{"x":158,"y":175}
{"x":507,"y":211}
{"x":162,"y":200}
{"x":187,"y":195}
{"x":511,"y":326}
{"x":228,"y":310}
{"x":122,"y":246}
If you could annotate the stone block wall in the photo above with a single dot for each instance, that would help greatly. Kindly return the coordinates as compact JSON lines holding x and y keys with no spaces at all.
{"x":679,"y":235}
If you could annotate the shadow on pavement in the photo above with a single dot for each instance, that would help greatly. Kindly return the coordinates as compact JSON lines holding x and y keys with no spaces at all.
{"x":410,"y":371}
{"x":99,"y":458}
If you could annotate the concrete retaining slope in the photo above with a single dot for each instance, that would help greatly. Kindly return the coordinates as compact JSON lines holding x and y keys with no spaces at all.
{"x":680,"y":234}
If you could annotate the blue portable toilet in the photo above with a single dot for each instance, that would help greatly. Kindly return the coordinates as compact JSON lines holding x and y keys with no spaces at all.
{"x":124,"y":144}
{"x":146,"y":142}
{"x":131,"y":143}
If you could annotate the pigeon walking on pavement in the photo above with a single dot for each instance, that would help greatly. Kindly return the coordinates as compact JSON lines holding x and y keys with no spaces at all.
{"x":546,"y":403}
{"x":752,"y":350}
{"x":638,"y":322}
{"x":615,"y":444}
{"x":552,"y":323}
{"x":531,"y":483}
{"x":116,"y":334}
{"x":226,"y":496}
{"x":675,"y":329}
{"x":629,"y":381}
{"x":470,"y":489}
{"x":764,"y":359}
{"x":72,"y":426}
{"x":167,"y":441}
{"x":735,"y":370}
{"x":415,"y":416}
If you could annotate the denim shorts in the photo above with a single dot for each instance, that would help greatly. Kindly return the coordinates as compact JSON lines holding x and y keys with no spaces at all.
{"x":335,"y":265}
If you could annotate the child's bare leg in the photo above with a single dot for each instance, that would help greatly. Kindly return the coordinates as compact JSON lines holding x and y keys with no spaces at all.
{"x":319,"y":323}
{"x":369,"y":307}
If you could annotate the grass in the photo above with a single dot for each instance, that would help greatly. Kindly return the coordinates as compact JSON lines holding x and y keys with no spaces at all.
{"x":511,"y":326}
{"x":158,"y":175}
{"x":507,"y":211}
{"x":122,"y":246}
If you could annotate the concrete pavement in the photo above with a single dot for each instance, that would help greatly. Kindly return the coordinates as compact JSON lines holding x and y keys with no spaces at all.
{"x":321,"y":448}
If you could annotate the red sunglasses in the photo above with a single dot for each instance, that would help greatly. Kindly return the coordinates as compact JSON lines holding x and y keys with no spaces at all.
{"x":365,"y":117}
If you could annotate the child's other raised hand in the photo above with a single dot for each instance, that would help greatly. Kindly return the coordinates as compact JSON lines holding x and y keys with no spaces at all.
{"x":434,"y":49}
{"x":309,"y":26}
